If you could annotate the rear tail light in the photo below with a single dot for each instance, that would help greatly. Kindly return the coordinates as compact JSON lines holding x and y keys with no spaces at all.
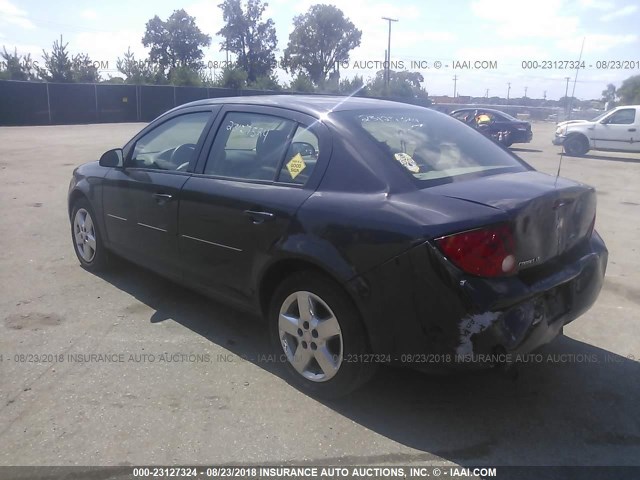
{"x":485,"y":252}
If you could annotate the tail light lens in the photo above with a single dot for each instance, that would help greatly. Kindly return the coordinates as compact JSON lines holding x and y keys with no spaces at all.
{"x":485,"y":252}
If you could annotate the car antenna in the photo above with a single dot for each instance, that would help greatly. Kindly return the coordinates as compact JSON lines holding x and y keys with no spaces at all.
{"x":559,"y":167}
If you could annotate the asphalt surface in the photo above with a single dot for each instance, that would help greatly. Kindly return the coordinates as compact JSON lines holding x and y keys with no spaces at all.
{"x":214,"y":398}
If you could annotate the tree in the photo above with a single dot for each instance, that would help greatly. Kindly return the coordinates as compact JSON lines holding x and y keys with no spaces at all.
{"x":401,"y":84}
{"x":84,"y":70}
{"x":15,"y":66}
{"x":249,"y":37}
{"x":139,"y":72}
{"x":609,"y":94}
{"x":232,"y":77}
{"x":354,"y":86}
{"x":302,"y":84}
{"x":175,"y":43}
{"x":266,"y":82}
{"x":629,"y":91}
{"x":321,"y":37}
{"x":58,"y":66}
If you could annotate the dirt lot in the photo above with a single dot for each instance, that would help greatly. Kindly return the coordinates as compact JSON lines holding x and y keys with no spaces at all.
{"x":55,"y":409}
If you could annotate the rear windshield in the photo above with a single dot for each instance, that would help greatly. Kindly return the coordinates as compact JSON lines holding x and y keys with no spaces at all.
{"x":433,"y":148}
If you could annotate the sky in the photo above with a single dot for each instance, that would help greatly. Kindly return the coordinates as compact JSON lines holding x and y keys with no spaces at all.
{"x":503,"y":33}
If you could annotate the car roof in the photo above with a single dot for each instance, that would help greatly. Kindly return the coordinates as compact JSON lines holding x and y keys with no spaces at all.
{"x":315,"y":105}
{"x":490,"y":110}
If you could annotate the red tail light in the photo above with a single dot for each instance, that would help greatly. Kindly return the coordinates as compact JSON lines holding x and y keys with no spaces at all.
{"x":485,"y":252}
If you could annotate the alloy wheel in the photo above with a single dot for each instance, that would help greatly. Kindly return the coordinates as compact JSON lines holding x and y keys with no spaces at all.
{"x":310,"y":336}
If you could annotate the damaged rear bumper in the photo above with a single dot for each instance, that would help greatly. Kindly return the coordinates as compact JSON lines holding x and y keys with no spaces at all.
{"x":442,"y":317}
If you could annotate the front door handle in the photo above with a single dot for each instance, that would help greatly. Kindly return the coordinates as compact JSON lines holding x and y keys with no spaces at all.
{"x":162,"y":198}
{"x":632,"y":130}
{"x":258,"y":217}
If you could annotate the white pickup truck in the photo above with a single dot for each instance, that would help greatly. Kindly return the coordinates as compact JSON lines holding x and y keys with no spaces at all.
{"x":617,"y":130}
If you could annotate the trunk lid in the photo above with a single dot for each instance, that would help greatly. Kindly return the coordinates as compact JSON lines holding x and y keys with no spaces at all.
{"x":549,"y":215}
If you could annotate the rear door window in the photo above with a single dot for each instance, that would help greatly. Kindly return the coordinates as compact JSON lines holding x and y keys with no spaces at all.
{"x":250,"y":146}
{"x":301,"y":158}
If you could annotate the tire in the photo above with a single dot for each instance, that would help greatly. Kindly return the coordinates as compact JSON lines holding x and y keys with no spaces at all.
{"x":86,"y":237}
{"x":339,"y":341}
{"x":576,"y":145}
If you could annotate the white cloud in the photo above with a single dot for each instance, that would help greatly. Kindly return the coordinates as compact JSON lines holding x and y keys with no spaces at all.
{"x":542,"y":19}
{"x":106,"y":47}
{"x":623,"y":12}
{"x":89,"y":14}
{"x":596,"y":43}
{"x":208,"y":16}
{"x":12,"y":15}
{"x":597,"y":4}
{"x":502,"y":53}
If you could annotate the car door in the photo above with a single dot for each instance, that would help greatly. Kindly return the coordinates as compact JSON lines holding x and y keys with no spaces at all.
{"x":141,"y":199}
{"x":617,"y":131}
{"x":262,"y":164}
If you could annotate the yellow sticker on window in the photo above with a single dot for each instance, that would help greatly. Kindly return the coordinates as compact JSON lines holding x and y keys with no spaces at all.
{"x":407,"y":162}
{"x":296,"y":165}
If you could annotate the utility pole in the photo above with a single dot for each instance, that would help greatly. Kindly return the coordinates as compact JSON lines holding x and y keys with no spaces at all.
{"x":508,"y":91}
{"x":566,"y":92}
{"x":455,"y":84}
{"x":388,"y":75}
{"x":525,"y":91}
{"x":544,"y":96}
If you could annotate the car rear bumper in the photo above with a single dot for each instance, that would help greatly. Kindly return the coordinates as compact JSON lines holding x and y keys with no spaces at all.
{"x":522,"y":136}
{"x":438,"y":317}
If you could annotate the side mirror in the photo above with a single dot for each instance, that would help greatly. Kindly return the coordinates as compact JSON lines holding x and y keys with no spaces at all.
{"x":303,"y":148}
{"x":112,"y":158}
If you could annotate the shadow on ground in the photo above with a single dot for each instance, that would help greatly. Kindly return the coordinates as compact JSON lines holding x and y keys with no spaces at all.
{"x":578,"y":409}
{"x":608,"y":158}
{"x":520,"y":149}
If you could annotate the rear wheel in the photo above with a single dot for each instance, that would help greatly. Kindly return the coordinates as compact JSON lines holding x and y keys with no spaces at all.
{"x":317,"y":331}
{"x":85,"y":234}
{"x":576,"y":145}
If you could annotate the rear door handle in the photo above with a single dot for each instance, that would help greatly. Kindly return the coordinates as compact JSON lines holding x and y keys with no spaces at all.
{"x":258,"y":216}
{"x":162,"y":198}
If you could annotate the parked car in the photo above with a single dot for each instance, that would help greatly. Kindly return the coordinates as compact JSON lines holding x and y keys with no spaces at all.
{"x":500,"y":126}
{"x":364,"y":231}
{"x":617,"y":130}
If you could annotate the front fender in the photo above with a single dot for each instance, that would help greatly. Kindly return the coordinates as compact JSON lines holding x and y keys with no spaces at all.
{"x":86,"y":182}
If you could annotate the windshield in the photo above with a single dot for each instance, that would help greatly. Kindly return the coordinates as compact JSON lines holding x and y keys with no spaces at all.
{"x":600,"y":117}
{"x":431,"y":147}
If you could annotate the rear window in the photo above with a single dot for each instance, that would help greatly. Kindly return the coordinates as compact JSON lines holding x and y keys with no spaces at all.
{"x":431,"y":147}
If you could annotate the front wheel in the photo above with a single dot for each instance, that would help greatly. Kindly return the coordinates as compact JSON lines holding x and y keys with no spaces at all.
{"x":576,"y":145}
{"x":85,"y":234}
{"x":317,"y":331}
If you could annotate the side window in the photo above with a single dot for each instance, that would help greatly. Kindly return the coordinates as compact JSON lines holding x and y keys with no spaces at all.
{"x":171,"y":145}
{"x":249,"y":146}
{"x":461,"y":115}
{"x":623,"y":117}
{"x":301,"y":157}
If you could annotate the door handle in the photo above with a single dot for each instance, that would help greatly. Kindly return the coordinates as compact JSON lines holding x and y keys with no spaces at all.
{"x":258,"y":217}
{"x":162,"y":198}
{"x":631,"y":130}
